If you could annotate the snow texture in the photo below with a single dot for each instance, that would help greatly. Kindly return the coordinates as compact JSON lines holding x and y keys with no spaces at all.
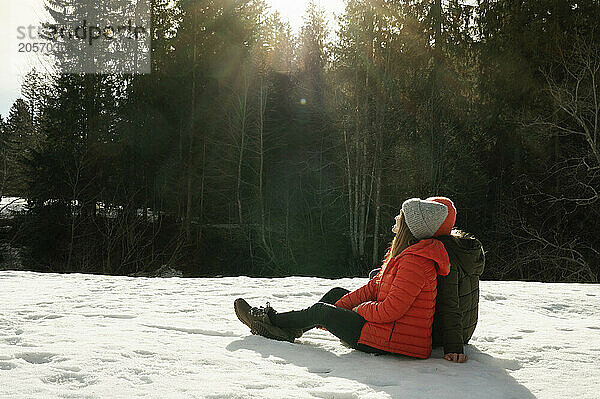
{"x":11,"y":205}
{"x":87,"y":336}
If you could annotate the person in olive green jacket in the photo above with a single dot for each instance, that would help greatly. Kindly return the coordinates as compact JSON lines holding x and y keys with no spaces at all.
{"x":457,"y":304}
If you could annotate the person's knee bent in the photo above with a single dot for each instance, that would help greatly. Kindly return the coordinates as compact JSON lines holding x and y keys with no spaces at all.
{"x":333,"y":295}
{"x":338,"y":292}
{"x":319,"y":308}
{"x":318,"y":313}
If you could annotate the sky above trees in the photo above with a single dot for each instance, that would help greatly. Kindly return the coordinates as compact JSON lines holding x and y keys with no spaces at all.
{"x":24,"y":12}
{"x":293,"y":10}
{"x":13,"y":67}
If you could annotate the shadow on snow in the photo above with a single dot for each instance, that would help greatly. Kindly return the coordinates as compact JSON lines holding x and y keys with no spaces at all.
{"x":400,"y":376}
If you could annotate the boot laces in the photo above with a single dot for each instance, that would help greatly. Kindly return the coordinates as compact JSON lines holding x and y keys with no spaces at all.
{"x":262,"y":312}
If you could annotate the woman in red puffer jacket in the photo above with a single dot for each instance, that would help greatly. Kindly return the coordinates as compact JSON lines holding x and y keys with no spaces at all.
{"x":398,"y":305}
{"x":392,"y":312}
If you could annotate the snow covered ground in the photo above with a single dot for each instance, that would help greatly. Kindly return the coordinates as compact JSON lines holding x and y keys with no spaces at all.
{"x":10,"y":205}
{"x":84,"y":336}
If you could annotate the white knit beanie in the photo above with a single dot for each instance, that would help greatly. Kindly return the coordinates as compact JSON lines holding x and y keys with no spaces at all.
{"x":424,"y":217}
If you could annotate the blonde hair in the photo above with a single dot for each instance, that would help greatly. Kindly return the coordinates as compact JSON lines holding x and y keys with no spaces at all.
{"x":403,"y":239}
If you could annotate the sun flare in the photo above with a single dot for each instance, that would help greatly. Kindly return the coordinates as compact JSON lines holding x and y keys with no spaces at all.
{"x":293,"y":10}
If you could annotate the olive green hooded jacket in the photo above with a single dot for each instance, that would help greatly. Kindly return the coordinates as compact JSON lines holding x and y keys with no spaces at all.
{"x":457,"y":304}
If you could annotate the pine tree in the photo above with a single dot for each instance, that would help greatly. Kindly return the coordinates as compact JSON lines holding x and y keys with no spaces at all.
{"x":20,"y":133}
{"x":5,"y":143}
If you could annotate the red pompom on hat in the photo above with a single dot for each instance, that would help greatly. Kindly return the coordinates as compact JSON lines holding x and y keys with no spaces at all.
{"x":448,"y":223}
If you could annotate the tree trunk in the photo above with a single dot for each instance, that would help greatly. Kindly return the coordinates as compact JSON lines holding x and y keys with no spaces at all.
{"x":201,"y":210}
{"x":243,"y":114}
{"x":363,"y":201}
{"x":192,"y":130}
{"x":261,"y":131}
{"x":350,"y":194}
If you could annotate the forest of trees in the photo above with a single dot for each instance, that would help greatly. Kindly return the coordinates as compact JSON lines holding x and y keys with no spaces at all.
{"x":251,"y":150}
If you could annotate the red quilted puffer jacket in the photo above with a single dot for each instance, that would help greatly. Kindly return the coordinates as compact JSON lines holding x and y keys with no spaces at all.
{"x":399,"y":307}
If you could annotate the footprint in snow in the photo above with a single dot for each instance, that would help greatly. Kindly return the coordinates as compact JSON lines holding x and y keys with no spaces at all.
{"x":68,"y":368}
{"x":554,"y":307}
{"x":7,"y":366}
{"x":257,"y":386}
{"x":144,"y":353}
{"x":309,"y":384}
{"x":12,"y":340}
{"x":43,"y":316}
{"x":319,"y":370}
{"x":110,"y":360}
{"x":195,"y":331}
{"x":554,"y":347}
{"x":110,"y":316}
{"x":146,"y":380}
{"x":485,"y":339}
{"x":78,"y":380}
{"x":383,"y":383}
{"x":491,"y":297}
{"x":36,"y":357}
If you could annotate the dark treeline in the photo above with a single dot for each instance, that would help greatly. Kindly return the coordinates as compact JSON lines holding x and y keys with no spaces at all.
{"x":251,"y":150}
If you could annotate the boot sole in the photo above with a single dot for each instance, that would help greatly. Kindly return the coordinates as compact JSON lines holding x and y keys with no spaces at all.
{"x":269,"y":331}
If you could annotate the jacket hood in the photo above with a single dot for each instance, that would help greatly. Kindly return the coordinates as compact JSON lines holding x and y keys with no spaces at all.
{"x":466,"y":253}
{"x":432,"y":249}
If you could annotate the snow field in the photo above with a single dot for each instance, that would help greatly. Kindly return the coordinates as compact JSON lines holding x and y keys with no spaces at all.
{"x":87,"y":336}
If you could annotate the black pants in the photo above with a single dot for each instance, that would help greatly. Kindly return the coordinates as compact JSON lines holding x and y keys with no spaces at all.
{"x":344,"y":324}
